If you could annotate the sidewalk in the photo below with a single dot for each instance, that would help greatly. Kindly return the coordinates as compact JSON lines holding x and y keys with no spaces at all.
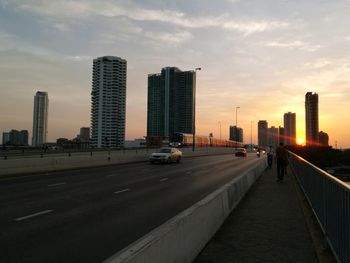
{"x":267,"y":226}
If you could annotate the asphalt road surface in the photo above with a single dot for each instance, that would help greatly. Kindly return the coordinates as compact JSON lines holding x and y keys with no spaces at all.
{"x":88,"y":215}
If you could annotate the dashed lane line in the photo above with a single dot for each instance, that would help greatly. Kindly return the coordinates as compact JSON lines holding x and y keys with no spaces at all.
{"x":33,"y":215}
{"x":57,"y":184}
{"x":122,"y":191}
{"x":164,"y":179}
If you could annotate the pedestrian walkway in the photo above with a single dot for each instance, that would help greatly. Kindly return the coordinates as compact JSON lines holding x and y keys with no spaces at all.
{"x":267,"y":226}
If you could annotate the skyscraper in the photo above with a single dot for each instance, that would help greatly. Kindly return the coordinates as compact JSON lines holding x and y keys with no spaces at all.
{"x":236,"y":134}
{"x":40,"y":118}
{"x":311,"y":118}
{"x":171,"y":102}
{"x":272,"y":136}
{"x":262,"y":133}
{"x":108,"y":99}
{"x":290,"y":128}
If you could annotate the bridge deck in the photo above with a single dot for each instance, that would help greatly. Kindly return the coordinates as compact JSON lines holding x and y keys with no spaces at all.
{"x":267,"y":226}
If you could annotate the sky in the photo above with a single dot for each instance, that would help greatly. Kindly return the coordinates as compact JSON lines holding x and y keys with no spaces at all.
{"x":261,"y":56}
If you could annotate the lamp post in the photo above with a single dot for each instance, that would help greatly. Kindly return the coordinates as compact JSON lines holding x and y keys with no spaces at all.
{"x":251,"y":135}
{"x":194,"y":116}
{"x":236,"y":126}
{"x":220,"y":129}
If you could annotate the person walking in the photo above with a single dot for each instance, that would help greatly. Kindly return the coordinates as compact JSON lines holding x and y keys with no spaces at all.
{"x":282,"y":162}
{"x":270,"y":156}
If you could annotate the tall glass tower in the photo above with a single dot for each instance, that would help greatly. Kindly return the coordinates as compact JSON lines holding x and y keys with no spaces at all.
{"x":289,"y":120}
{"x":171,"y":102}
{"x":108,"y":102}
{"x":311,"y":118}
{"x":40,"y":117}
{"x":262,"y":133}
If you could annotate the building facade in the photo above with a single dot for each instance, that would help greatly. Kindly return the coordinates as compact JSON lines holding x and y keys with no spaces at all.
{"x":290,"y":137}
{"x":40,"y":118}
{"x":311,"y":118}
{"x":18,"y":138}
{"x":171,"y":103}
{"x":108,"y":102}
{"x":236,"y":134}
{"x":262,"y":133}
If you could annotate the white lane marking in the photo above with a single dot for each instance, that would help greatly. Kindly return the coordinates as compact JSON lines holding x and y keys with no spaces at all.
{"x":33,"y":215}
{"x":122,"y":191}
{"x":49,"y":185}
{"x":163,"y":179}
{"x":188,"y":172}
{"x":110,"y":175}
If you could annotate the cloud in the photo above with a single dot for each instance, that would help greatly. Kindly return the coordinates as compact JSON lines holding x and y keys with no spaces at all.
{"x":173,"y":39}
{"x":251,"y":27}
{"x":294,"y":45}
{"x":63,"y":9}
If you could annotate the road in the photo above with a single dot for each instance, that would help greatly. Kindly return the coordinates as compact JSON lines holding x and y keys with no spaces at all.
{"x":88,"y":215}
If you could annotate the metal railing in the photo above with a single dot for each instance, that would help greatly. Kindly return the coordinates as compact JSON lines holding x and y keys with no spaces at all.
{"x":330,"y":201}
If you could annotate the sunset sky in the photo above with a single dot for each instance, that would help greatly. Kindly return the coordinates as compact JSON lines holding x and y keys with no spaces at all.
{"x":262,"y":56}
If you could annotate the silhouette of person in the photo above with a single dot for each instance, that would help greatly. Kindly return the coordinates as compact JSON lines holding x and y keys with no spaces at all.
{"x":282,"y":162}
{"x":270,"y":156}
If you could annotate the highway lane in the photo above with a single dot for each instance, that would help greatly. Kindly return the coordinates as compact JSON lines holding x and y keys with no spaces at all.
{"x":89,"y":214}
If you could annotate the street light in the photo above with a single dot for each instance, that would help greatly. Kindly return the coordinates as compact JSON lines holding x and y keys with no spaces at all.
{"x":220,"y":129}
{"x":194,"y":116}
{"x":236,"y":128}
{"x":236,"y":115}
{"x":251,"y":135}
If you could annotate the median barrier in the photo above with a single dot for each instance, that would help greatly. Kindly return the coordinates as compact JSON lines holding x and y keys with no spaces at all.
{"x":183,"y":237}
{"x":50,"y":163}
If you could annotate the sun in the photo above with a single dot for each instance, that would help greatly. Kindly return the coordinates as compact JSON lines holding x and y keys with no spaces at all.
{"x":300,"y":141}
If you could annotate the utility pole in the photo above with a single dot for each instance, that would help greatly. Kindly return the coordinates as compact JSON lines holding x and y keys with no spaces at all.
{"x":194,"y":117}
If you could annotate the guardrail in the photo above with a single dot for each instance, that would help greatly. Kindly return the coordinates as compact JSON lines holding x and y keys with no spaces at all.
{"x":56,"y":162}
{"x":330,"y":201}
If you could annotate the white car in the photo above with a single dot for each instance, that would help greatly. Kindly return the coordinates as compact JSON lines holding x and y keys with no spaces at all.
{"x":241,"y":152}
{"x":166,"y":155}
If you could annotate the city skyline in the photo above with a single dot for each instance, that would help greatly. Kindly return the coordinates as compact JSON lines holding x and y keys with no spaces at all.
{"x":239,"y":44}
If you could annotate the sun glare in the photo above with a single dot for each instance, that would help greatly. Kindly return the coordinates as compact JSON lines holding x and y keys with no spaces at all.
{"x":300,"y":141}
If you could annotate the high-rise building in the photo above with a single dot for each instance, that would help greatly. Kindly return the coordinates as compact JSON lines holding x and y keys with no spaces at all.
{"x":108,"y":102}
{"x":262,"y":133}
{"x":290,"y":128}
{"x":236,"y":134}
{"x":311,"y":118}
{"x":323,"y":139}
{"x":272,"y":137}
{"x":40,"y":118}
{"x":171,"y":103}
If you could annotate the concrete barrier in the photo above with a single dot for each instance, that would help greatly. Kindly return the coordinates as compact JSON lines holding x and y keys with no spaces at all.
{"x":182,"y":238}
{"x":56,"y":162}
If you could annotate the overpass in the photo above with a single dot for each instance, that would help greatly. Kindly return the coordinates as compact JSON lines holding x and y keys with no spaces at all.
{"x":167,"y":213}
